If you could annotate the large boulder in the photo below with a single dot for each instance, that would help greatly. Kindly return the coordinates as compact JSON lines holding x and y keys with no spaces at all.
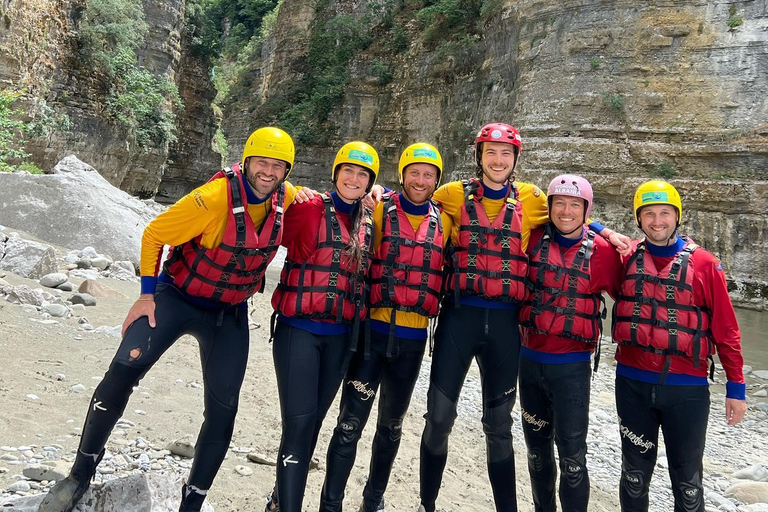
{"x":24,"y":258}
{"x":134,"y":493}
{"x":76,"y":207}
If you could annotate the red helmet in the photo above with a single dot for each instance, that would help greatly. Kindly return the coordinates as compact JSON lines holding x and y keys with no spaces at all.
{"x":498,"y":132}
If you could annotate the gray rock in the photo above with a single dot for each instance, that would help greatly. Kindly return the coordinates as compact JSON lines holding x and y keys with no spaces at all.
{"x":66,"y":287}
{"x":761,"y":374}
{"x":243,"y":470}
{"x":57,"y":310}
{"x":133,"y":493}
{"x":182,"y":448}
{"x":756,"y":472}
{"x":101,"y":262}
{"x":53,"y":280}
{"x":126,"y":266}
{"x":750,"y":492}
{"x":78,"y":388}
{"x":23,"y":294}
{"x":84,"y":263}
{"x":761,"y":392}
{"x":721,"y":502}
{"x":41,"y":472}
{"x":97,"y":289}
{"x":76,"y":207}
{"x":19,"y":486}
{"x":25,"y":258}
{"x":84,"y":299}
{"x":261,"y":459}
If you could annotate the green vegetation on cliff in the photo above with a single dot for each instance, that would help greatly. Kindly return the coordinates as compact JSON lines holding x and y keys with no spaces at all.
{"x":12,"y":131}
{"x":110,"y":33}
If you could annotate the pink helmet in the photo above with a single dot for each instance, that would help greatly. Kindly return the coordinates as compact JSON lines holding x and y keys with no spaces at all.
{"x":498,"y":132}
{"x":572,"y":186}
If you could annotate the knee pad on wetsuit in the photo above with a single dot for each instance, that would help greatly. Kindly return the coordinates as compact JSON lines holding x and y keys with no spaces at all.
{"x":391,"y":427}
{"x":117,"y":385}
{"x":536,"y":461}
{"x":348,"y":428}
{"x":573,"y":469}
{"x":497,"y":425}
{"x":632,"y":480}
{"x":440,"y":416}
{"x":691,"y":492}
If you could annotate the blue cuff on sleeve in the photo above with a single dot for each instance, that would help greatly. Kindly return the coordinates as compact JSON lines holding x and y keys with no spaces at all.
{"x":387,"y":190}
{"x":596,"y":227}
{"x":736,"y":390}
{"x":148,"y":284}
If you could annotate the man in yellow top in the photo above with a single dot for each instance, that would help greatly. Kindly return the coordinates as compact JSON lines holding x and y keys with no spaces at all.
{"x":224,"y":234}
{"x":492,"y":220}
{"x":406,"y":280}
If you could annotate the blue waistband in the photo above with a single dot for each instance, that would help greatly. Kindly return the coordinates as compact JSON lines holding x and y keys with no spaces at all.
{"x":480,"y":302}
{"x":673,"y":379}
{"x":411,"y":333}
{"x":315,"y":326}
{"x":550,"y":358}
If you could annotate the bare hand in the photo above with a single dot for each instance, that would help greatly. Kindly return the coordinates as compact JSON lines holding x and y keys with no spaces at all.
{"x":622,"y":243}
{"x":735,"y":410}
{"x":304,"y":195}
{"x":377,"y":192}
{"x":145,"y":306}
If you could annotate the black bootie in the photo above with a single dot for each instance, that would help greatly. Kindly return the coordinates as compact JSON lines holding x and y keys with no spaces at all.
{"x":66,"y":493}
{"x":191,"y":499}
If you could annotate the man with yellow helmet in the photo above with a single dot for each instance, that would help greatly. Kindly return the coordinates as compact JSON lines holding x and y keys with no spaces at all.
{"x":319,"y":303}
{"x":673,"y":313}
{"x":224,"y":234}
{"x":405,"y":291}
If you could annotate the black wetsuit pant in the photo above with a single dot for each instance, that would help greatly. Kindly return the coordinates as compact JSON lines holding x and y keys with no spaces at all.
{"x":491,"y":337}
{"x":682,"y":413}
{"x":223,"y":340}
{"x":397,"y":376}
{"x":309,"y":369}
{"x":554,"y":399}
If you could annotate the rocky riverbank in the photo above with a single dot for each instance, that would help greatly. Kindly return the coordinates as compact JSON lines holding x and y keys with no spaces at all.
{"x":52,"y":363}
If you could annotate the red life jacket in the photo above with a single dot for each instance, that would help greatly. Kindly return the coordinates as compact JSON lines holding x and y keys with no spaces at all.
{"x":407,"y":269}
{"x":234,"y":270}
{"x":327,"y":286}
{"x":488,"y":259}
{"x":560,"y":303}
{"x":656,"y":309}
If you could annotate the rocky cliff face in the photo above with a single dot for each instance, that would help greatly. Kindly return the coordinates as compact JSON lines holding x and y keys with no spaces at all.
{"x":617,"y":91}
{"x":36,"y":38}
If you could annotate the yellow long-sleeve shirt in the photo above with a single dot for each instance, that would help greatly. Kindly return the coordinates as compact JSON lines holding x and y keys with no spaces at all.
{"x":203,"y":212}
{"x":535,"y":212}
{"x":403,"y":319}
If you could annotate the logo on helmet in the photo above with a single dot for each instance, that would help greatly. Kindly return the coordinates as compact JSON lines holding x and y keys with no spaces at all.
{"x":496,"y":134}
{"x":567,"y":189}
{"x":361,"y":157}
{"x":425,"y":153}
{"x":654,"y":197}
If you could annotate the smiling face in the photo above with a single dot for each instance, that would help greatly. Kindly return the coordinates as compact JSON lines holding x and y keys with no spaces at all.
{"x":352,"y":182}
{"x":498,"y":163}
{"x":264,"y":175}
{"x":567,"y":214}
{"x":419,"y":182}
{"x":658,"y":222}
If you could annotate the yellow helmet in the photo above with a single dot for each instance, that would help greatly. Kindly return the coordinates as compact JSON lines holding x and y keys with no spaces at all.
{"x":421,"y":152}
{"x":657,"y":192}
{"x":357,"y":153}
{"x":270,"y":142}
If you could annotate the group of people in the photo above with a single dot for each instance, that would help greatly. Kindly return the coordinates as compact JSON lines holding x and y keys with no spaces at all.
{"x":515,"y":278}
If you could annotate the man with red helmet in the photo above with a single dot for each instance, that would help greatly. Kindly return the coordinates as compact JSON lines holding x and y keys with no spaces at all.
{"x":492,"y":221}
{"x":672,"y":314}
{"x":561,"y":321}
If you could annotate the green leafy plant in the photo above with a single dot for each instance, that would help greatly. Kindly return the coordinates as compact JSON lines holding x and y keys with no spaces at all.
{"x":664,"y":170}
{"x":735,"y":21}
{"x":448,"y":19}
{"x":12,"y":131}
{"x":613,"y":101}
{"x":381,"y":72}
{"x":596,"y":63}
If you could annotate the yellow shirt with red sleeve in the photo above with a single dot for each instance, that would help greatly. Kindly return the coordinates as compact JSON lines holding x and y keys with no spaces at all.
{"x":204,"y":213}
{"x":407,"y":320}
{"x":535,"y":212}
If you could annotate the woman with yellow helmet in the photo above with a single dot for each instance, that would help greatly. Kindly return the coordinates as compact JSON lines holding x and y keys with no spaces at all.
{"x":406,"y":284}
{"x":318,"y":304}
